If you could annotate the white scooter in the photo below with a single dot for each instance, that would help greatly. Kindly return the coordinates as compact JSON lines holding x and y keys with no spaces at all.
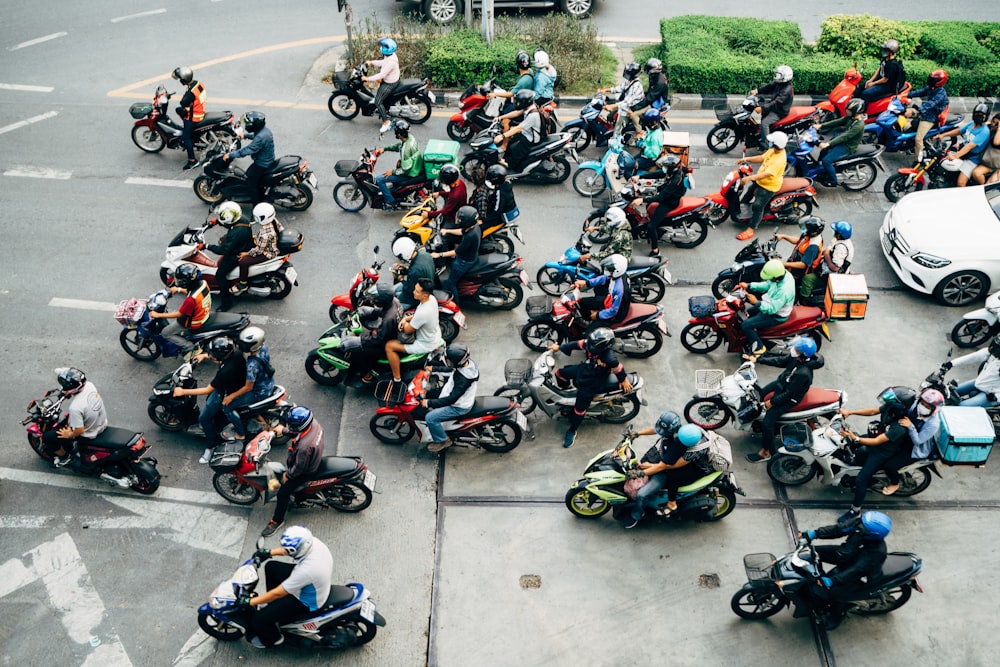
{"x":978,"y":326}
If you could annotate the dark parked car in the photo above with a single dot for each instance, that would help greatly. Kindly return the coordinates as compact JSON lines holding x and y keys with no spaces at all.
{"x":446,"y":11}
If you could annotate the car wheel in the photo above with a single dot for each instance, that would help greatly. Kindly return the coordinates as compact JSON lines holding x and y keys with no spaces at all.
{"x":577,"y":8}
{"x":442,"y":12}
{"x":962,"y":288}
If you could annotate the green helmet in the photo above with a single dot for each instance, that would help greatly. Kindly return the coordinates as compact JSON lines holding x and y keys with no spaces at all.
{"x":772,"y":270}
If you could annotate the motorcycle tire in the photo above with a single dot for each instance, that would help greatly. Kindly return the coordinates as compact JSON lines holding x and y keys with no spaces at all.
{"x":561,"y":172}
{"x":896,"y":187}
{"x":717,"y":214}
{"x":164,"y":276}
{"x":223,"y":139}
{"x":697,"y":232}
{"x":164,"y":417}
{"x":858,"y":176}
{"x":708,"y":413}
{"x":350,"y":497}
{"x":349,"y":197}
{"x":621,"y":411}
{"x":302,"y":200}
{"x":217,"y":629}
{"x":338,"y":314}
{"x":423,"y":105}
{"x":322,"y":371}
{"x":700,"y":338}
{"x":390,"y":429}
{"x":539,"y":334}
{"x":755,"y":604}
{"x":205,"y":190}
{"x":342,"y":105}
{"x":147,"y":140}
{"x":790,"y":470}
{"x":139,"y":347}
{"x":722,"y":138}
{"x":280,"y":286}
{"x":598,"y":236}
{"x":650,"y":338}
{"x":229,"y":487}
{"x":460,"y":133}
{"x":890,"y":599}
{"x":725,"y":503}
{"x":793,"y":211}
{"x":913,"y":483}
{"x":971,"y":333}
{"x":525,"y":400}
{"x":723,"y":285}
{"x":648,"y":288}
{"x":554,"y":282}
{"x":587,"y":182}
{"x":501,"y":244}
{"x":146,"y":487}
{"x":506,"y":432}
{"x":471,"y":164}
{"x":360,"y":629}
{"x":580,"y":138}
{"x":514,"y":294}
{"x":581,"y":502}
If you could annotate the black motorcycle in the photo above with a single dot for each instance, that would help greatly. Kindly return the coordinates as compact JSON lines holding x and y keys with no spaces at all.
{"x":495,"y":281}
{"x":411,"y":100}
{"x":544,"y":163}
{"x":288,"y":182}
{"x":746,"y":266}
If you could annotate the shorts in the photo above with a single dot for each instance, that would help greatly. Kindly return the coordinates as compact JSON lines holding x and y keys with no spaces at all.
{"x":967,"y":166}
{"x":420,"y":348}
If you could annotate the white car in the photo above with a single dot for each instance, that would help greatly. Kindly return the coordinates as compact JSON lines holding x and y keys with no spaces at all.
{"x":449,"y":11}
{"x":946,"y":242}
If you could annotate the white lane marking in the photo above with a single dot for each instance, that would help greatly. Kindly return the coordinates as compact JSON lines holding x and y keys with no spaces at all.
{"x":139,"y":15}
{"x":39,"y":40}
{"x":26,"y":88}
{"x":93,"y":484}
{"x":198,"y":647}
{"x":36,"y":172}
{"x":28,"y":121}
{"x":71,"y":594}
{"x":163,"y":182}
{"x":83,"y":304}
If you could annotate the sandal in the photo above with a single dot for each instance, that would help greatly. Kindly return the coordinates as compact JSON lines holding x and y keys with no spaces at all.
{"x":745,"y":235}
{"x":891,"y":489}
{"x":664,"y":512}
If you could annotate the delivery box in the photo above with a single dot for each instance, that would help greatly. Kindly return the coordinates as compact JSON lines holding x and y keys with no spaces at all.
{"x":965,"y":436}
{"x":437,"y":154}
{"x":846,"y":296}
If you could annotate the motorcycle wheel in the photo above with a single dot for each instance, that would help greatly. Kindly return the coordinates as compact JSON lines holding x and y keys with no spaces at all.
{"x":423,"y":108}
{"x":147,"y":140}
{"x":220,"y":139}
{"x":526,"y":401}
{"x":164,"y":417}
{"x":145,"y":486}
{"x":700,"y":338}
{"x":870,"y":137}
{"x":696,"y":231}
{"x":458,"y":132}
{"x":361,"y":630}
{"x":502,"y":243}
{"x":756,"y":603}
{"x":722,"y":138}
{"x":709,"y":413}
{"x":338,"y":314}
{"x":137,"y":346}
{"x":913,"y":483}
{"x":471,"y":164}
{"x":621,"y":411}
{"x":390,"y":429}
{"x":971,"y":333}
{"x":164,"y":276}
{"x":858,"y":176}
{"x":888,"y":600}
{"x":280,"y":286}
{"x":348,"y":497}
{"x":587,"y":182}
{"x":322,"y":371}
{"x":514,"y":294}
{"x":561,"y":172}
{"x":349,"y":197}
{"x":506,"y":433}
{"x":303,"y":199}
{"x":646,"y":337}
{"x":217,"y":629}
{"x":342,"y":106}
{"x":229,"y":487}
{"x":725,"y":503}
{"x":554,"y":282}
{"x":717,"y":214}
{"x":584,"y":504}
{"x":649,"y":288}
{"x":896,"y":187}
{"x":449,"y":330}
{"x":794,"y":210}
{"x":722,"y":286}
{"x":204,"y":188}
{"x":539,"y":334}
{"x":790,"y":470}
{"x":580,"y":138}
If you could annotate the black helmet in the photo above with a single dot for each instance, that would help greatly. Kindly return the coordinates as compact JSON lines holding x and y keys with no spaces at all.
{"x":448,"y":174}
{"x":897,"y":400}
{"x":522,"y":60}
{"x":631,"y":71}
{"x":184,"y":75}
{"x":220,"y":348}
{"x":457,"y":354}
{"x":187,"y":275}
{"x":855,"y":107}
{"x":70,"y":379}
{"x":653,"y":65}
{"x":667,"y":424}
{"x":253,"y":121}
{"x":811,"y":225}
{"x":599,"y":339}
{"x":523,"y":99}
{"x":496,"y":174}
{"x":384,"y":295}
{"x":401,"y":129}
{"x":299,"y":419}
{"x":370,"y":317}
{"x":467,"y":216}
{"x":980,"y":113}
{"x":995,"y":346}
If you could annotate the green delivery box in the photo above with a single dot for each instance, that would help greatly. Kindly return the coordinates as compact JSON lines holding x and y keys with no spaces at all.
{"x":965,"y":436}
{"x":437,"y":154}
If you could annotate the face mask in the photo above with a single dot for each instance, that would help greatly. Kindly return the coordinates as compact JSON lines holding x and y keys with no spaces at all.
{"x":923,"y":411}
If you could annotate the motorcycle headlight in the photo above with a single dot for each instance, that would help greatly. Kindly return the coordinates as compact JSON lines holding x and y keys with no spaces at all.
{"x":930,"y":261}
{"x":219,"y":603}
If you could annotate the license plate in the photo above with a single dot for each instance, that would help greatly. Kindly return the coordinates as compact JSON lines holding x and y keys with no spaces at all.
{"x":459,"y":319}
{"x":433,"y":98}
{"x":521,"y":420}
{"x":368,"y":610}
{"x":666,"y":275}
{"x":312,"y":181}
{"x":661,"y":325}
{"x":291,"y":274}
{"x":369,"y":480}
{"x":524,"y":276}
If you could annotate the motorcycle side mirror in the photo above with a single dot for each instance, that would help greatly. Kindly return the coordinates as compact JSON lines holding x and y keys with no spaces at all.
{"x":375,"y":250}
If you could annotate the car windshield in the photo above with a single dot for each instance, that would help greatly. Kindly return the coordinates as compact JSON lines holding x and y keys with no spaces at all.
{"x":993,"y":197}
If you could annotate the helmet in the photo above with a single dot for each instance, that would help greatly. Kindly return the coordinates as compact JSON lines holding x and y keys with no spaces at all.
{"x":297,"y":541}
{"x":875,"y":525}
{"x":889,"y":46}
{"x":457,"y":354}
{"x":932,"y":397}
{"x":220,"y":348}
{"x":667,"y":424}
{"x":467,"y":216}
{"x":183,"y":74}
{"x":843,"y":229}
{"x":388,"y":46}
{"x":994,"y":347}
{"x":228,"y":213}
{"x":937,"y":78}
{"x":783,"y":73}
{"x":403,"y":248}
{"x":980,"y":113}
{"x":523,"y":98}
{"x":650,"y":118}
{"x":496,"y":174}
{"x":689,"y":435}
{"x":778,"y":139}
{"x":448,"y":174}
{"x":855,"y":107}
{"x":522,"y":60}
{"x":615,"y":217}
{"x":599,"y":339}
{"x":263,"y":213}
{"x":653,"y":65}
{"x":811,"y":225}
{"x":254,"y":121}
{"x":401,"y":128}
{"x":669,"y":162}
{"x":186,"y":275}
{"x":70,"y":379}
{"x":804,"y":346}
{"x":541,"y":59}
{"x":896,"y":400}
{"x":370,"y":317}
{"x":614,"y":265}
{"x":251,"y":339}
{"x":772,"y":269}
{"x":631,"y":71}
{"x":299,"y":418}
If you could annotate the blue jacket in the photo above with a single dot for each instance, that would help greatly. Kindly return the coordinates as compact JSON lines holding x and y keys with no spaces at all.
{"x":616,"y":293}
{"x":936,"y":100}
{"x":261,"y":148}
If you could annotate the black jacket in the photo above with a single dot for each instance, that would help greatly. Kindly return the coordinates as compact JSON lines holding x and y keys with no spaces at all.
{"x":866,"y":556}
{"x":238,"y":239}
{"x":497,"y":202}
{"x":375,"y":339}
{"x":781,"y":98}
{"x":670,"y":191}
{"x":596,"y":368}
{"x":658,"y":90}
{"x":793,"y":383}
{"x":421,"y":266}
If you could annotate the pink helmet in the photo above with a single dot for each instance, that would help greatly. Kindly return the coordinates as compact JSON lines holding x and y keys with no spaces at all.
{"x":932,"y":397}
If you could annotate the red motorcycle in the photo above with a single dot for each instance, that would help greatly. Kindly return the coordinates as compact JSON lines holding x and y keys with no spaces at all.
{"x":686,"y":226}
{"x":477,"y":111}
{"x":794,"y":199}
{"x":357,"y":187}
{"x":835,"y":106}
{"x":153,"y":129}
{"x":714,"y":321}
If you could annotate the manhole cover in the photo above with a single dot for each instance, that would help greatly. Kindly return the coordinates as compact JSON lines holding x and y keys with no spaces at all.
{"x":534,"y":581}
{"x":708,"y":581}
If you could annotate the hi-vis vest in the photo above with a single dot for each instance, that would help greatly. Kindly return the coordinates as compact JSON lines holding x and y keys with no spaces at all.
{"x":198,"y":106}
{"x":803,"y":245}
{"x":202,"y":305}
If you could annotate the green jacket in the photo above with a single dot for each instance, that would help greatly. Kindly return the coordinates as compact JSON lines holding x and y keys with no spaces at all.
{"x":411,"y":161}
{"x":620,"y":242}
{"x":850,"y":137}
{"x":778,"y":297}
{"x":652,"y":143}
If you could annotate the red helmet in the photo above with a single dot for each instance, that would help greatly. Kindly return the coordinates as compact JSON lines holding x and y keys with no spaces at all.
{"x":937,"y":78}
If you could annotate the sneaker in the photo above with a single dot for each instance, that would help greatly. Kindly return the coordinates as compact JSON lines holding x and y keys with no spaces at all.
{"x":190,"y":165}
{"x":239,"y":288}
{"x":759,"y":350}
{"x":849,"y":515}
{"x":271,"y":528}
{"x":60,"y":461}
{"x":206,"y":456}
{"x":569,"y":438}
{"x":385,"y":127}
{"x":757,"y":458}
{"x":257,"y":643}
{"x":436,"y":447}
{"x":389,"y":206}
{"x":631,"y":523}
{"x":745,"y":235}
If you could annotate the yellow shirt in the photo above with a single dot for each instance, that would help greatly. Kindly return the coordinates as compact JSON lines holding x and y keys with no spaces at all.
{"x":773,"y":165}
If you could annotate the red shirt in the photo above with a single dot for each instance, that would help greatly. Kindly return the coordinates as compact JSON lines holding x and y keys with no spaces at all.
{"x":455,"y":199}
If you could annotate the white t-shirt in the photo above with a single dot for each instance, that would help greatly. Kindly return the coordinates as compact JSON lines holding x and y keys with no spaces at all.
{"x":311,"y":577}
{"x":87,"y":410}
{"x":425,"y":321}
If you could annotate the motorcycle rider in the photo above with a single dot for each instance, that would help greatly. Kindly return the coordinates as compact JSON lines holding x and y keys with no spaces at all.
{"x":845,"y":143}
{"x":456,"y":195}
{"x":889,"y":78}
{"x":615,"y":223}
{"x":499,"y":205}
{"x":525,"y":81}
{"x":650,"y":141}
{"x":423,"y":322}
{"x":987,"y":383}
{"x":296,"y":589}
{"x":786,"y":391}
{"x":194,"y":311}
{"x":260,"y":148}
{"x":781,"y":92}
{"x":657,"y":89}
{"x":590,"y":376}
{"x":418,"y":264}
{"x":629,"y":93}
{"x":305,"y":454}
{"x":806,"y":256}
{"x":87,"y":416}
{"x":975,"y":137}
{"x":778,"y":289}
{"x":466,"y":253}
{"x":669,"y":193}
{"x":652,"y":465}
{"x":259,"y":377}
{"x":265,"y":238}
{"x":457,"y":396}
{"x":237,"y":241}
{"x":191,"y":110}
{"x":988,"y":170}
{"x":838,"y":257}
{"x":545,"y":78}
{"x":388,"y":75}
{"x":935,"y":102}
{"x":524,"y":135}
{"x":410,"y":167}
{"x":611,"y":307}
{"x":767,"y":180}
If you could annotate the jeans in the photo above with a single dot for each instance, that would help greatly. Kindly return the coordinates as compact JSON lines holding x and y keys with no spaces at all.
{"x":283,"y":499}
{"x":877,"y":92}
{"x":584,"y":395}
{"x":679,"y":477}
{"x":830,"y":156}
{"x":177,"y":335}
{"x":234,"y":405}
{"x":265,"y":620}
{"x":765,"y":127}
{"x":980,"y":400}
{"x":646,"y":494}
{"x":458,"y":269}
{"x":757,"y":320}
{"x":769,"y":424}
{"x":255,"y":181}
{"x":383,"y":181}
{"x":187,"y":138}
{"x":438,"y":415}
{"x":878,"y":459}
{"x":213,"y":406}
{"x":226,"y":264}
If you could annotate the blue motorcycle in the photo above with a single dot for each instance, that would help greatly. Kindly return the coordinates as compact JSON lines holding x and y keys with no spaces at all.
{"x":896,"y":132}
{"x":855,"y":172}
{"x":611,"y":172}
{"x":591,"y":126}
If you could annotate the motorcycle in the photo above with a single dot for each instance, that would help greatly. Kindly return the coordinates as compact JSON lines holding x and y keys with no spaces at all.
{"x":930,"y":171}
{"x":773,"y":583}
{"x":835,"y":106}
{"x":742,"y":124}
{"x":272,"y":279}
{"x":154,"y":130}
{"x":411,"y":100}
{"x":553,"y":320}
{"x":746,"y":266}
{"x":494,"y":281}
{"x":358,"y":189}
{"x":978,"y":326}
{"x":949,"y":388}
{"x":477,"y":111}
{"x":421,"y":229}
{"x":288,"y":182}
{"x":348,"y":618}
{"x":611,"y":172}
{"x":685,"y":226}
{"x":855,"y":172}
{"x":115,"y":456}
{"x":602,"y":487}
{"x":592,"y":126}
{"x":894,"y":129}
{"x":794,"y":199}
{"x":544,"y":163}
{"x":713,"y":322}
{"x":141,"y":336}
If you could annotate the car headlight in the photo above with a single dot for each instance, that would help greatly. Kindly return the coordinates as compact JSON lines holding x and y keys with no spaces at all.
{"x":930,"y":261}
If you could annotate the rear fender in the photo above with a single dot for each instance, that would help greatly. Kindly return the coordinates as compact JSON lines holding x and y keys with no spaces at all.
{"x":146,"y":468}
{"x":458,"y":117}
{"x":342,"y":300}
{"x":984,"y":314}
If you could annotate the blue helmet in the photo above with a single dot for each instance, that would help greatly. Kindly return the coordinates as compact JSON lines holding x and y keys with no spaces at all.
{"x":299,"y":418}
{"x":843,"y":229}
{"x":875,"y":525}
{"x":804,"y":346}
{"x":668,"y":423}
{"x":388,"y":45}
{"x":689,"y":435}
{"x":650,"y":118}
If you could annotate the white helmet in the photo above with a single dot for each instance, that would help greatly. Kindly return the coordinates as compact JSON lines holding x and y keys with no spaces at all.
{"x":541,"y":59}
{"x":615,"y":217}
{"x":263,"y":213}
{"x":779,"y":139}
{"x":403,"y":248}
{"x":251,"y":339}
{"x":614,"y":265}
{"x":783,"y":74}
{"x":297,"y":541}
{"x":229,"y":213}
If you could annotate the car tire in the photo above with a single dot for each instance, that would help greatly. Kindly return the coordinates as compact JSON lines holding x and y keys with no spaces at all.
{"x":578,"y":9}
{"x":962,"y":288}
{"x":443,"y":12}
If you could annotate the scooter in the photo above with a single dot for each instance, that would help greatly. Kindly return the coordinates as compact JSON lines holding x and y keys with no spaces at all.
{"x":348,"y":618}
{"x":932,"y":170}
{"x":746,"y":265}
{"x":154,"y":130}
{"x":773,"y":583}
{"x":602,"y":487}
{"x":476,"y":112}
{"x":358,"y":189}
{"x":288,"y":182}
{"x":115,"y":456}
{"x":243,"y":475}
{"x":611,"y":172}
{"x":544,"y":163}
{"x":411,"y":100}
{"x":714,"y":322}
{"x":978,"y":326}
{"x":591,"y":125}
{"x":855,"y":172}
{"x":421,"y":230}
{"x":794,"y":199}
{"x":533,"y":385}
{"x":553,"y":320}
{"x":949,"y":389}
{"x":685,"y":226}
{"x":896,"y":127}
{"x":835,"y":106}
{"x":141,"y":336}
{"x":742,"y":124}
{"x":494,"y":281}
{"x":272,"y":279}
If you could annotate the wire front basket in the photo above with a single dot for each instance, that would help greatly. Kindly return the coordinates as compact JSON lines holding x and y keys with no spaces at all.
{"x":602,"y":200}
{"x":538,"y":306}
{"x":516,"y":371}
{"x":708,"y":381}
{"x":758,"y":567}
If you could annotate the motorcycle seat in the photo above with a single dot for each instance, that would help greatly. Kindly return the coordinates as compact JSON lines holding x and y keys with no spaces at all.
{"x":115,"y":438}
{"x":611,"y":384}
{"x":636,"y":313}
{"x":699,"y":483}
{"x":863,"y":150}
{"x":687,"y":204}
{"x":339,"y":596}
{"x":486,"y":263}
{"x":643,"y":263}
{"x":213,"y":118}
{"x":793,"y":183}
{"x":333,"y":466}
{"x":796,"y":322}
{"x":216,"y":322}
{"x":441,"y":296}
{"x":816,"y":397}
{"x":953,"y":119}
{"x":895,"y":565}
{"x":283,"y":162}
{"x":406,"y":85}
{"x":546,"y":145}
{"x":485,"y":405}
{"x":795,"y":114}
{"x":278,"y":392}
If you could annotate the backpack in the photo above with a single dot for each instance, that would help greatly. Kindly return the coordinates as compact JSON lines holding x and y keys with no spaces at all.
{"x":720,"y":453}
{"x":902,"y":76}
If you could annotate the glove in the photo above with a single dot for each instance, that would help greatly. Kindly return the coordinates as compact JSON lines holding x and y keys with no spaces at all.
{"x":810,"y":535}
{"x":262,"y":555}
{"x":946,"y":366}
{"x":992,"y":398}
{"x":827,"y":582}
